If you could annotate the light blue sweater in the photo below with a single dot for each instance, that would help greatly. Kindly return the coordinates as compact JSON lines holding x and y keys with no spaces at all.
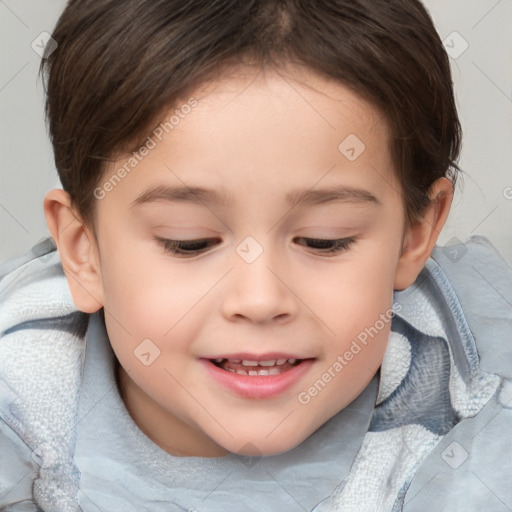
{"x":433,"y":431}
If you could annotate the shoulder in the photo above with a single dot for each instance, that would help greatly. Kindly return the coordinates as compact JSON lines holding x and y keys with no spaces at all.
{"x":42,"y":348}
{"x":41,"y":331}
{"x":34,"y":293}
{"x":471,"y":285}
{"x":481,"y":281}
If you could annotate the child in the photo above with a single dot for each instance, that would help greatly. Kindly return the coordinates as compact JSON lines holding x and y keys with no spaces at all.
{"x":241,"y":305}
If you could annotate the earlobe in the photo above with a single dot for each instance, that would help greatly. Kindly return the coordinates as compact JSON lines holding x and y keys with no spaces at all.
{"x":421,"y":236}
{"x":77,"y":249}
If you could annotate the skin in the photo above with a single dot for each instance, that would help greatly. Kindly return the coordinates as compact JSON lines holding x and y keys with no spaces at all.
{"x":255,"y":135}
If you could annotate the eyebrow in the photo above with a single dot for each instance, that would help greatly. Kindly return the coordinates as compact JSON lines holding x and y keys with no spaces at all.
{"x":205,"y":196}
{"x":313,"y":197}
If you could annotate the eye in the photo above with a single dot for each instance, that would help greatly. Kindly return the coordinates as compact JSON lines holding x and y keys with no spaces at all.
{"x":328,"y":246}
{"x":185,"y":247}
{"x":193,"y":247}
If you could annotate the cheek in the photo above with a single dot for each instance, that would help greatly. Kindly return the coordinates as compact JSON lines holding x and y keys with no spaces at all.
{"x":155,"y":301}
{"x":354,"y":293}
{"x":148,"y":305}
{"x":139,"y":287}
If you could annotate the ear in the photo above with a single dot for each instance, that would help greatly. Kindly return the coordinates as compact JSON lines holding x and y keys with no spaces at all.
{"x":421,"y":236}
{"x":77,"y":249}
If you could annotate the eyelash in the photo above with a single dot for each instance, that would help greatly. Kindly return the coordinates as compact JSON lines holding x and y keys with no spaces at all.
{"x":175,"y":246}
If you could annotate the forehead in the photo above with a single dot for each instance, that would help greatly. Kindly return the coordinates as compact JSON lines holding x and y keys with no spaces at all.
{"x":269,"y":131}
{"x":301,"y":88}
{"x":267,"y":111}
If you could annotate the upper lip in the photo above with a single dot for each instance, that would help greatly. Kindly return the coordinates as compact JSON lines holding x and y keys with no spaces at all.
{"x":268,"y":356}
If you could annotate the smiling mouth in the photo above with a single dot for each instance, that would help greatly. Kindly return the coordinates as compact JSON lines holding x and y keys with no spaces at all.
{"x":254,"y":368}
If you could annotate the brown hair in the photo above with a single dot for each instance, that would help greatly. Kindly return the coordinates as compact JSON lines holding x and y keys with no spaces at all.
{"x":120,"y":64}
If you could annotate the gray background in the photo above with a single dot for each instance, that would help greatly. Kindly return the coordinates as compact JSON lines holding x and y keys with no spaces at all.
{"x":483,"y":82}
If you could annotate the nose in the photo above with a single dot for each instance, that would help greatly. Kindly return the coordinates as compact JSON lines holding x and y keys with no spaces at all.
{"x":259,"y":292}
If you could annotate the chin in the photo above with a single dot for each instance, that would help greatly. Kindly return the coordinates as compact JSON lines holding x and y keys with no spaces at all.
{"x":253,"y":447}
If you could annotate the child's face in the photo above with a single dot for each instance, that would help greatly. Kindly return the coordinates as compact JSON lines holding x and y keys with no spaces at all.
{"x":261,"y":290}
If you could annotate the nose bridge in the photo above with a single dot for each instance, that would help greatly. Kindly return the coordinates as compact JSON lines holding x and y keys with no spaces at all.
{"x":257,"y":290}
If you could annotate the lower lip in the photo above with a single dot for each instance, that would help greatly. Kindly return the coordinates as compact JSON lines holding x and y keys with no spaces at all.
{"x":258,"y":386}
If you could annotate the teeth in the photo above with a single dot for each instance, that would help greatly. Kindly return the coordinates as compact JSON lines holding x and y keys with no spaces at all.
{"x":271,"y":362}
{"x":245,"y":362}
{"x":253,"y":373}
{"x":270,"y":371}
{"x":270,"y":366}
